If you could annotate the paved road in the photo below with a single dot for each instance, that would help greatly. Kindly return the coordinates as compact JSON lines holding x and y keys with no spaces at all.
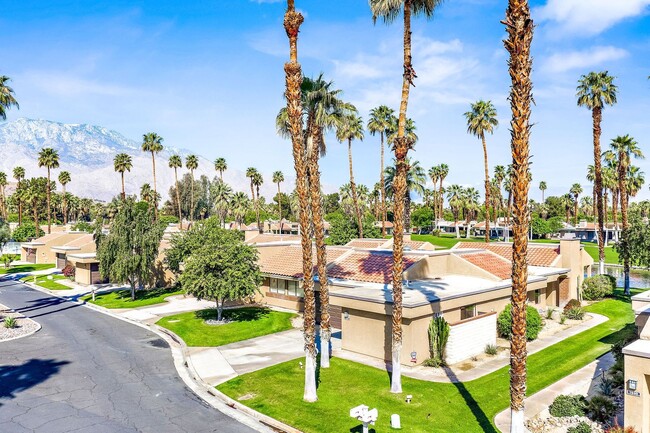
{"x":88,"y":372}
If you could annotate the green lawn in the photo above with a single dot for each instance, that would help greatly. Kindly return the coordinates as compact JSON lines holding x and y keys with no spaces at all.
{"x":611,"y":256}
{"x":19,"y":269}
{"x":122,"y":298}
{"x":444,"y":241}
{"x":436,"y":407}
{"x":247,"y":323}
{"x":47,"y":283}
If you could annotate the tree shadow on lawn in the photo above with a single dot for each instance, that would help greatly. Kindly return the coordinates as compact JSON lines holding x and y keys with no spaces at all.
{"x":359,"y":429}
{"x":627,"y":333}
{"x":140,"y":295}
{"x":235,"y":314}
{"x":473,"y":405}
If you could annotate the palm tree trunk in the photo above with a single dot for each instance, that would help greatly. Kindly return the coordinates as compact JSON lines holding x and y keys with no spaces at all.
{"x":123,"y":190}
{"x":35,"y":213}
{"x":192,"y":197}
{"x":383,"y":188}
{"x":597,"y":116}
{"x":257,"y":210}
{"x":155,"y":191}
{"x":615,"y":195}
{"x":221,"y":175}
{"x":441,"y":200}
{"x":293,"y":71}
{"x":65,"y":207}
{"x":178,"y":199}
{"x":622,"y":188}
{"x":49,"y":210}
{"x":280,"y":207}
{"x":519,"y":26}
{"x":487,"y":190}
{"x":353,"y":186}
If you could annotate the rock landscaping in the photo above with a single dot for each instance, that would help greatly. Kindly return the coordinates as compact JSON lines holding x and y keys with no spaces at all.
{"x":14,"y":325}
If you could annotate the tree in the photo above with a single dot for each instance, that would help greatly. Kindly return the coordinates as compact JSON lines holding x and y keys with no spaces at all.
{"x":192,"y":163}
{"x":7,"y":98}
{"x":293,"y":73}
{"x":443,"y":172}
{"x":542,"y":188}
{"x":380,"y":122}
{"x":121,"y":163}
{"x":239,"y":205}
{"x":19,"y":175}
{"x":222,"y":195}
{"x":127,"y":254}
{"x":5,"y":234}
{"x":595,"y":91}
{"x":351,"y":128}
{"x":152,"y":142}
{"x":258,"y":180}
{"x":576,"y":190}
{"x":220,"y":165}
{"x":278,"y":178}
{"x":519,"y":26}
{"x":625,"y":147}
{"x":176,"y":162}
{"x":33,"y":191}
{"x":64,"y":179}
{"x":3,"y":197}
{"x":48,"y":158}
{"x":455,"y":198}
{"x":415,"y":180}
{"x":482,"y":118}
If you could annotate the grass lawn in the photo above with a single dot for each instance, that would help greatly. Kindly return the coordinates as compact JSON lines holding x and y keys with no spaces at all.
{"x":19,"y":269}
{"x":611,"y":256}
{"x":47,"y":283}
{"x":436,"y":407}
{"x":122,"y":298}
{"x":247,"y":323}
{"x":444,"y":241}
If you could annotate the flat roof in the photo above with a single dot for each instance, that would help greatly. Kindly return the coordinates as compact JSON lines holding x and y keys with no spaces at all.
{"x":83,"y":255}
{"x":640,"y":348}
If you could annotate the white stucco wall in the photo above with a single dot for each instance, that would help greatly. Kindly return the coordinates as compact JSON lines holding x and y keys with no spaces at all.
{"x":469,"y":338}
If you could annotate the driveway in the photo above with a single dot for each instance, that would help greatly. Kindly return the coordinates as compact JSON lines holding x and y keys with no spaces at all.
{"x":88,"y":372}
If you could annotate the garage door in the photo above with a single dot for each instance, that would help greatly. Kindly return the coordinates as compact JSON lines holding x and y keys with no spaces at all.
{"x":60,"y":260}
{"x":335,"y":316}
{"x":95,"y":276}
{"x":31,"y":255}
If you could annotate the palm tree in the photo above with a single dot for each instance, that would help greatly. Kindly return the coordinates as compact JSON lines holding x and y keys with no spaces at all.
{"x":470,"y":200}
{"x":152,"y":142}
{"x":416,"y":179}
{"x":64,"y":179}
{"x":380,"y":122}
{"x":19,"y":175}
{"x":293,"y":72}
{"x":278,"y":178}
{"x":542,"y":188}
{"x":222,"y":194}
{"x":482,"y":118}
{"x":239,"y":206}
{"x":610,"y":183}
{"x":595,"y":91}
{"x":576,"y":190}
{"x":258,"y":180}
{"x":3,"y":204}
{"x":251,"y":172}
{"x":220,"y":165}
{"x":443,"y":173}
{"x":176,"y":162}
{"x":519,"y":26}
{"x":434,"y":175}
{"x":625,"y":147}
{"x":7,"y":99}
{"x":455,"y":198}
{"x":48,"y":158}
{"x":351,"y":128}
{"x":635,"y":180}
{"x":121,"y":163}
{"x":146,"y":194}
{"x":192,"y":163}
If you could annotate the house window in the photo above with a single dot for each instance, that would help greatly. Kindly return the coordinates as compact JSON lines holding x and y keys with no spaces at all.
{"x":286,"y":287}
{"x":277,"y":286}
{"x":538,"y":296}
{"x":467,"y":312}
{"x":292,"y":286}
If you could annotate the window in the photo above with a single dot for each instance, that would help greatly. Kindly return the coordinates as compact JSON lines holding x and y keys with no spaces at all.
{"x":538,"y":296}
{"x":286,"y":287}
{"x":277,"y":286}
{"x":467,"y":312}
{"x":292,"y":286}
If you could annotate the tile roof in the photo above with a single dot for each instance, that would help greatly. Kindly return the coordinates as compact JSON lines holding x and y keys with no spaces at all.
{"x":80,"y":241}
{"x":288,"y":261}
{"x":538,"y":255}
{"x":267,"y":237}
{"x":491,"y":263}
{"x":414,"y":245}
{"x":366,"y":243}
{"x":368,"y":266}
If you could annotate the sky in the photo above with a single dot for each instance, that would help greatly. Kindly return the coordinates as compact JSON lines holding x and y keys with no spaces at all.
{"x":208,"y":76}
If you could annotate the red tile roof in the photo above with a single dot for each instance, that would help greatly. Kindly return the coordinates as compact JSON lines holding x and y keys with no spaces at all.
{"x":288,"y":261}
{"x":267,"y":237}
{"x":366,"y":243}
{"x":414,"y":245}
{"x":538,"y":255}
{"x":369,"y":266}
{"x":491,"y":263}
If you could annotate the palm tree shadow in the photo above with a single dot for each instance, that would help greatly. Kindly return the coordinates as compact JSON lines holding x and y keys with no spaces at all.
{"x":18,"y":378}
{"x":473,"y":405}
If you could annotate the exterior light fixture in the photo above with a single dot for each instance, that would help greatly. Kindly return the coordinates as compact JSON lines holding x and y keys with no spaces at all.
{"x":414,"y":357}
{"x":632,"y":384}
{"x":346,"y":315}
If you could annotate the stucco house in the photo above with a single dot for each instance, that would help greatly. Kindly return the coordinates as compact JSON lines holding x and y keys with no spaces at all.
{"x":637,"y":369}
{"x":39,"y":251}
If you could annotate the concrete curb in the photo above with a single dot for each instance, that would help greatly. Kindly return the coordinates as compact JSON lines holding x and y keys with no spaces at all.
{"x":25,"y":335}
{"x":219,"y":401}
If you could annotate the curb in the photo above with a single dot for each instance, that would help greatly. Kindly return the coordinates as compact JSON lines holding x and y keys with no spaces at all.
{"x":25,"y":335}
{"x":185,"y":369}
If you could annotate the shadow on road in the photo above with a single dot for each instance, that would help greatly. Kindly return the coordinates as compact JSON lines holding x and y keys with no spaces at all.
{"x":49,"y":302}
{"x":17,"y":378}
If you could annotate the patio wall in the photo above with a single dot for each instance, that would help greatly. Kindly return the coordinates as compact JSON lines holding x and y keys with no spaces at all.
{"x":469,"y":337}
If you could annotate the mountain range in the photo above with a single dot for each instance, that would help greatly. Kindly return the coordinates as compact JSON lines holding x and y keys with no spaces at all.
{"x":87,"y":152}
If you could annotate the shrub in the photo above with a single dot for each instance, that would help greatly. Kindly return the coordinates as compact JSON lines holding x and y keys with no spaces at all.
{"x":618,"y":429}
{"x":606,"y":387}
{"x":10,"y":322}
{"x":601,"y":409}
{"x":575,"y":313}
{"x":432,"y":362}
{"x":68,"y":271}
{"x":438,"y":336}
{"x":582,"y":427}
{"x":26,"y":231}
{"x":83,"y":226}
{"x":573,"y":303}
{"x":491,"y":349}
{"x":617,"y":348}
{"x":618,"y":379}
{"x":549,"y":313}
{"x":598,"y":287}
{"x":568,"y":405}
{"x":562,"y":319}
{"x":533,"y":323}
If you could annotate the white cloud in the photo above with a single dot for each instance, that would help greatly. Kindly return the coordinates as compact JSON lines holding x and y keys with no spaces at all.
{"x":562,"y":62}
{"x":66,"y":85}
{"x":589,"y":17}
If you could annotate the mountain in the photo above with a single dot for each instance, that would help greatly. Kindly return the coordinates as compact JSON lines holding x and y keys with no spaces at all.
{"x":87,"y":152}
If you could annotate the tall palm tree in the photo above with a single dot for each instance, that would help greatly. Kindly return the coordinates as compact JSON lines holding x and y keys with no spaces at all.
{"x":482,"y":119}
{"x":455,"y":199}
{"x":3,"y":203}
{"x":192,"y":163}
{"x":220,"y":165}
{"x":278,"y":178}
{"x":635,"y":180}
{"x":443,"y":173}
{"x":251,"y":173}
{"x":610,"y":183}
{"x":239,"y":206}
{"x":380,"y":122}
{"x":152,"y":142}
{"x":121,"y":163}
{"x":434,"y":175}
{"x":258,"y":180}
{"x":416,"y":179}
{"x":48,"y":158}
{"x":542,"y":188}
{"x":470,"y":202}
{"x":7,"y":98}
{"x":595,"y":91}
{"x":351,"y":128}
{"x":222,"y":194}
{"x":19,"y":175}
{"x":519,"y":26}
{"x":625,"y":148}
{"x":293,"y":95}
{"x":576,"y":190}
{"x":176,"y":162}
{"x":64,"y":179}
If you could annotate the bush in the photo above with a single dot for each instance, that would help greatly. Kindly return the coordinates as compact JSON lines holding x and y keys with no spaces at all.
{"x":533,"y":323}
{"x":618,"y":429}
{"x":618,"y":379}
{"x":568,"y":405}
{"x":617,"y":348}
{"x":26,"y":232}
{"x":549,"y":313}
{"x":575,"y":313}
{"x":69,"y":271}
{"x":606,"y":387}
{"x":562,"y":319}
{"x":83,"y":226}
{"x":10,"y":322}
{"x":582,"y":427}
{"x":598,"y":287}
{"x":432,"y":362}
{"x":601,"y":409}
{"x":573,"y":303}
{"x":491,"y":349}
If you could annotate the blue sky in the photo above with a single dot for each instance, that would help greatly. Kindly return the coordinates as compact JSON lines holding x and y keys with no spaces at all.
{"x":207,"y":76}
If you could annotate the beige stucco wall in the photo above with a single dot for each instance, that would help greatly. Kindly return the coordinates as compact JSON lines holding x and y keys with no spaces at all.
{"x":572,"y":258}
{"x":470,"y":337}
{"x":82,"y":273}
{"x":637,"y":408}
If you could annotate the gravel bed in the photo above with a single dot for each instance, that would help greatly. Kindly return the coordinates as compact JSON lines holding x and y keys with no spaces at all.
{"x":24,"y":326}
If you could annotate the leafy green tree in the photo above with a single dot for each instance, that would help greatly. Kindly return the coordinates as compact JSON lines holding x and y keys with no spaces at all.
{"x":5,"y":234}
{"x":540,"y":227}
{"x":332,"y":203}
{"x":128,"y":253}
{"x":26,"y":231}
{"x":422,"y":217}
